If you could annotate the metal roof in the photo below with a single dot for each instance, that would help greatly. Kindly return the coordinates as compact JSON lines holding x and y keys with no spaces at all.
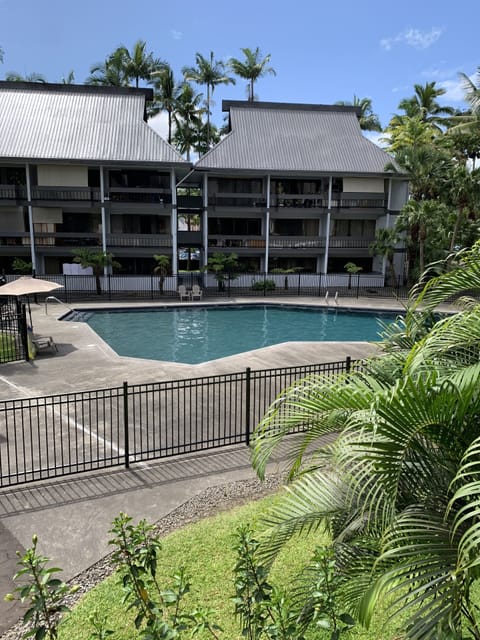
{"x":276,"y":137}
{"x":78,"y":123}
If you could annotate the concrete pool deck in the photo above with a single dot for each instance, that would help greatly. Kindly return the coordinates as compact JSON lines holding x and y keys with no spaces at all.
{"x":72,"y":515}
{"x":84,"y":361}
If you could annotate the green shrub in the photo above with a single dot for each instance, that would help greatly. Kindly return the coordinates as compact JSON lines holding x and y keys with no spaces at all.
{"x":263,"y":285}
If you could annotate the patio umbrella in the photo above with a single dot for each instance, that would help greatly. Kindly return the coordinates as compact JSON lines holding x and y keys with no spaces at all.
{"x":26,"y":285}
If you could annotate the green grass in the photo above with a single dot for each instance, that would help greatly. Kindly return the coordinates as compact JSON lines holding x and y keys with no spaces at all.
{"x":7,"y":347}
{"x":205,"y":548}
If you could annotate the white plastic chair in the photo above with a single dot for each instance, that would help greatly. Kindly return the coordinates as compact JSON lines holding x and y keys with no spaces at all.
{"x":196,"y":292}
{"x":183,"y":293}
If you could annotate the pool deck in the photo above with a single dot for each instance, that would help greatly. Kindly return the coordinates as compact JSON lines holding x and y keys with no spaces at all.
{"x":72,"y":515}
{"x":84,"y":361}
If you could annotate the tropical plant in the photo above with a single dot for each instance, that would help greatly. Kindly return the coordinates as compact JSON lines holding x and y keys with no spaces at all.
{"x":224,"y":267}
{"x":251,"y":68}
{"x":43,"y":593}
{"x":13,"y":76}
{"x":368,"y":120}
{"x":112,"y":72}
{"x":24,"y":267}
{"x":399,"y":487}
{"x":161,"y":268}
{"x":384,"y":246}
{"x":424,"y":104}
{"x":208,"y":72}
{"x":99,"y":261}
{"x":166,"y":93}
{"x":352,"y":269}
{"x":69,"y":78}
{"x":188,"y":119}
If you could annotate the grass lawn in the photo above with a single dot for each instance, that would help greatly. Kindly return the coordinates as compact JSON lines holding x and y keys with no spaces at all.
{"x":205,"y":548}
{"x":7,"y":347}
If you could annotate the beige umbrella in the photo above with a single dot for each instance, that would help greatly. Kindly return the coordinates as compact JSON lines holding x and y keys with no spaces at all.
{"x":26,"y":285}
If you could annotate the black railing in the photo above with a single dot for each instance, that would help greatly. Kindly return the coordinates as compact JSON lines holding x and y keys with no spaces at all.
{"x":13,"y":331}
{"x":64,"y":434}
{"x":77,"y":288}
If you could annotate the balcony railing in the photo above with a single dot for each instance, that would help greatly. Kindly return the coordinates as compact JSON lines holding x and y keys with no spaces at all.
{"x":138,"y":240}
{"x":297,"y":243}
{"x":13,"y":192}
{"x":299,"y":201}
{"x":237,"y":200}
{"x":139,"y":195}
{"x":236,"y":243}
{"x":65,"y":194}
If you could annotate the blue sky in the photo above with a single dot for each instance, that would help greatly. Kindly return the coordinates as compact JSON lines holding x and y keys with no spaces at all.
{"x":322,"y":51}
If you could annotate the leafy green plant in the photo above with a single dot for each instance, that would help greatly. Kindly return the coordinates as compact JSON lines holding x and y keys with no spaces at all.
{"x":224,"y":267}
{"x":97,"y":260}
{"x":263,"y":285}
{"x":44,"y":593}
{"x":161,"y":268}
{"x":21,"y":266}
{"x":159,"y":610}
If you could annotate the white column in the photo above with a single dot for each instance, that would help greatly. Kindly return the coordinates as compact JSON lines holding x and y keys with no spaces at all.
{"x":174,"y":222}
{"x":104,"y":217}
{"x":387,"y":224}
{"x":327,"y":229}
{"x":205,"y":219}
{"x":30,"y":220}
{"x":267,"y":226}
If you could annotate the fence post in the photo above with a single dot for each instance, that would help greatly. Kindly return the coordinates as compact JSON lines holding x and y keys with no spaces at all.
{"x":109,"y":287}
{"x":125,"y":425}
{"x":348,"y":364}
{"x":24,"y":332}
{"x":299,"y":282}
{"x":264,"y":284}
{"x":248,"y":372}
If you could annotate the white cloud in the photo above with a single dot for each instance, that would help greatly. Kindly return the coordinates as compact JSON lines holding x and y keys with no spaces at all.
{"x":413,"y":38}
{"x":159,"y":124}
{"x":453,"y":90}
{"x":374,"y":136}
{"x":176,"y":35}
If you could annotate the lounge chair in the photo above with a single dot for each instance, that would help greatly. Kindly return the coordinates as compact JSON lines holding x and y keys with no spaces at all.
{"x":196,"y":292}
{"x":42,"y":343}
{"x":183,"y":293}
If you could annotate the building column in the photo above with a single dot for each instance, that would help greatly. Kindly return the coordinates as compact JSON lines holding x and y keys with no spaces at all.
{"x":205,"y":219}
{"x":30,"y":221}
{"x":327,"y":230}
{"x":267,"y":226}
{"x":387,"y":226}
{"x":174,"y":222}
{"x":104,"y":217}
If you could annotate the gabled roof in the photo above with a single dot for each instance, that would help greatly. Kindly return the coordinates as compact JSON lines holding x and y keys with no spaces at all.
{"x":302,"y":138}
{"x":79,"y":123}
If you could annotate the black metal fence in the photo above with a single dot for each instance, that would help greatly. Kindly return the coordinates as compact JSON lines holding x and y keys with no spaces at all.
{"x":13,"y":330}
{"x":64,"y":434}
{"x":78,"y":288}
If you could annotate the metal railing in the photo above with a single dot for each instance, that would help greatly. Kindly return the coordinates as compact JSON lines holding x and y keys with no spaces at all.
{"x":13,"y":331}
{"x":52,"y":436}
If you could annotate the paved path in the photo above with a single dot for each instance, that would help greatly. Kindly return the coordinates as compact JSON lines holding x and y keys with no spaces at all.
{"x":72,"y":515}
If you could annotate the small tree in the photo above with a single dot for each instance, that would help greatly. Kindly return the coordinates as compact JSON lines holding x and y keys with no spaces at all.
{"x":384,"y":246}
{"x":351,"y":268}
{"x":97,"y":260}
{"x":22,"y":266}
{"x":224,"y":267}
{"x":161,"y":268}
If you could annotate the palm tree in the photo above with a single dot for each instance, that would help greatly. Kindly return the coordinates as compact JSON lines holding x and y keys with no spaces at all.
{"x":384,"y":246}
{"x":208,"y":72}
{"x":187,"y":118}
{"x":166,"y":93}
{"x":13,"y":76}
{"x":369,"y":121}
{"x":69,"y":79}
{"x":252,"y":68}
{"x":112,"y":72}
{"x":139,"y":64}
{"x":97,"y":260}
{"x":472,"y":90}
{"x":424,"y":103}
{"x":399,"y":488}
{"x":161,"y":268}
{"x":2,"y":53}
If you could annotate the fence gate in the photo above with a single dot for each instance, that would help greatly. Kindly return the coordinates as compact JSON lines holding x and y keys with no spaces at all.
{"x":13,"y":330}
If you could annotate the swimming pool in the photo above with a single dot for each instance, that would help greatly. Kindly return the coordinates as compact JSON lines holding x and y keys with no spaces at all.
{"x":198,"y":334}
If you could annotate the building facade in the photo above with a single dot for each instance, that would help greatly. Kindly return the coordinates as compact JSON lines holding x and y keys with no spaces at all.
{"x":290,"y":187}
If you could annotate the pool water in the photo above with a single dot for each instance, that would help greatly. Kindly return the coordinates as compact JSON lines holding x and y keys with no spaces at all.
{"x":198,"y":334}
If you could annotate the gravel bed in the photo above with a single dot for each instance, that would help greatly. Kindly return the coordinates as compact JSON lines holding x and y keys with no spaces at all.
{"x":210,"y":502}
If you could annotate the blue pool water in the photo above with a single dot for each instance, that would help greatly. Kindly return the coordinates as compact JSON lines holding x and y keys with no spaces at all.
{"x":197,"y":334}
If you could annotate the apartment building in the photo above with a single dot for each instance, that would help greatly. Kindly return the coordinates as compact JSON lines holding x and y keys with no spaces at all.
{"x":299,"y":186}
{"x":291,"y":186}
{"x":80,"y":167}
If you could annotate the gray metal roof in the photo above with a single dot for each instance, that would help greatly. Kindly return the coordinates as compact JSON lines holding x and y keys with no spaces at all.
{"x":295,"y":138}
{"x":78,"y":123}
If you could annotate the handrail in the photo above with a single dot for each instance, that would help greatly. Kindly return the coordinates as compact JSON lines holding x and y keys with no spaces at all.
{"x":53,"y":298}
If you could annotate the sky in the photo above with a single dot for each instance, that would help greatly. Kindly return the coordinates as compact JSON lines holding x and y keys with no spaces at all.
{"x":321,"y":51}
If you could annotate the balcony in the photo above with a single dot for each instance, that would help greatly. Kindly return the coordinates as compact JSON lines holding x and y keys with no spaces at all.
{"x":299,"y":201}
{"x":221,"y":242}
{"x":339,"y":201}
{"x":350,"y":243}
{"x":139,"y":195}
{"x":80,"y":239}
{"x":11,"y":193}
{"x":65,"y":194}
{"x":297,"y":242}
{"x":138,"y":240}
{"x":245,"y":200}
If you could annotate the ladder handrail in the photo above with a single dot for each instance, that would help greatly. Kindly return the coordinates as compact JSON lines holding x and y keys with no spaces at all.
{"x":54,"y":298}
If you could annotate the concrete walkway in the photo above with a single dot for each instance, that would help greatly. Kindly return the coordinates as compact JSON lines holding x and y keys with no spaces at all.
{"x":71,"y":516}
